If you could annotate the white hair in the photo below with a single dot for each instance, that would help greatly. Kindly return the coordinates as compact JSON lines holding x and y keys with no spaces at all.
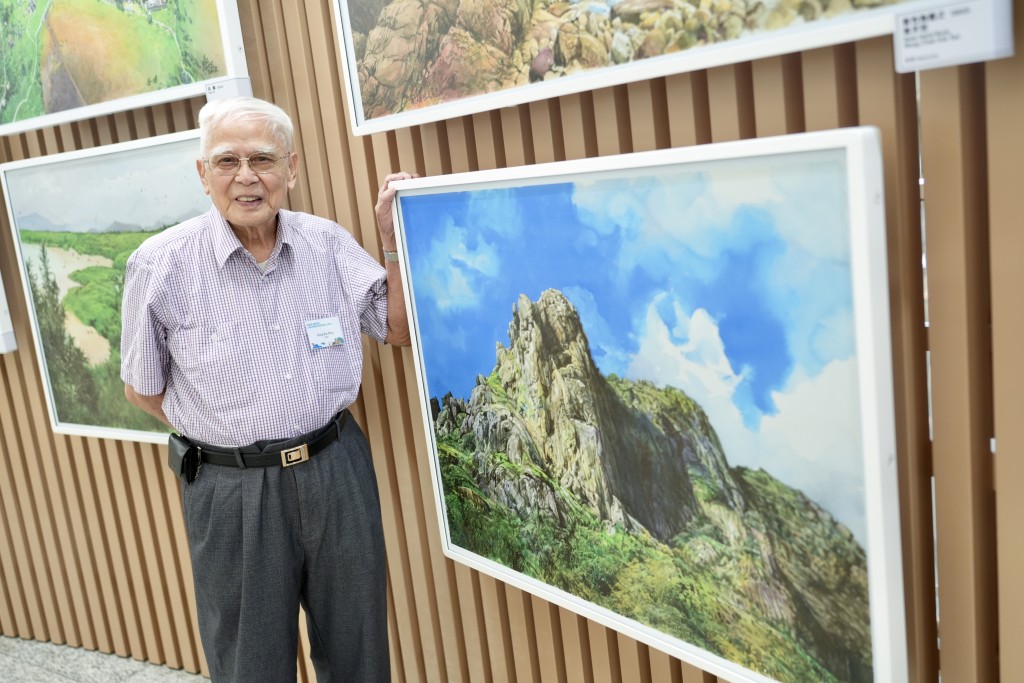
{"x":217,"y":113}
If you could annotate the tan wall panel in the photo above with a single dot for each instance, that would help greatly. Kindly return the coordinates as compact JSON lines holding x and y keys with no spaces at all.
{"x":887,"y":100}
{"x":956,"y":223}
{"x":1005,"y":101}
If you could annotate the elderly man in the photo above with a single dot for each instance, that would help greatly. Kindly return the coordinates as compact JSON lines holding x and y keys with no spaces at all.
{"x":242,"y":331}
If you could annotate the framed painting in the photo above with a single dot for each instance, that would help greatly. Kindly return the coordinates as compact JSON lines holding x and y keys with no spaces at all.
{"x":76,"y":219}
{"x":409,"y":63}
{"x":656,"y":390}
{"x":68,"y":60}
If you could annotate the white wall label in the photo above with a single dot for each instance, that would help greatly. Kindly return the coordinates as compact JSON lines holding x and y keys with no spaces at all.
{"x":228,"y":87}
{"x":932,"y":35}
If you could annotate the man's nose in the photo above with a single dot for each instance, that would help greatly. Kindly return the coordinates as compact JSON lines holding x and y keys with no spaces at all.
{"x":245,"y":173}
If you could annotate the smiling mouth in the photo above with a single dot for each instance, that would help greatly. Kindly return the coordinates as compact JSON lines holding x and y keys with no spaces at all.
{"x":248,"y":199}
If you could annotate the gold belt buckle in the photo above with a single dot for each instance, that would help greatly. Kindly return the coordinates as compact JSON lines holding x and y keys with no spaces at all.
{"x":293,"y":456}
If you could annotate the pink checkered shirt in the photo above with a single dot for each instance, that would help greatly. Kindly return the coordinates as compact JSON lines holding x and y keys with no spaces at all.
{"x":228,"y":342}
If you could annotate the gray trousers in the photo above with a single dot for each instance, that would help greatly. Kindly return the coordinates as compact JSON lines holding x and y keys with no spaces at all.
{"x":264,"y":540}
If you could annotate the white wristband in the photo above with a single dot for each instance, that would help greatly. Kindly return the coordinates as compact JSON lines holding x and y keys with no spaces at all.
{"x":390,"y":255}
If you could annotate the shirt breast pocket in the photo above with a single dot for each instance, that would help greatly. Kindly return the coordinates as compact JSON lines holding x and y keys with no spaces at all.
{"x":214,"y":363}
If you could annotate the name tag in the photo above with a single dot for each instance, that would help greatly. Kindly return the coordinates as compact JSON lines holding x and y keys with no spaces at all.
{"x":324,"y":332}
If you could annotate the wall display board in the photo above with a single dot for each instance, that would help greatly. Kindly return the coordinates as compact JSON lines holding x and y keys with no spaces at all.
{"x":8,"y":342}
{"x":408,"y":62}
{"x":657,"y":391}
{"x":76,"y":218}
{"x":68,"y":60}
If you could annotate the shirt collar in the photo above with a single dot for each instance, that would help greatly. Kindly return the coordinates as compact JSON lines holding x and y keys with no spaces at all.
{"x":226,"y":243}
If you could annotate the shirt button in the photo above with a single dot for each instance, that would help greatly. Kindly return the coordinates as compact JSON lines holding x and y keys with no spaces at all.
{"x":277,"y":327}
{"x":288,"y":376}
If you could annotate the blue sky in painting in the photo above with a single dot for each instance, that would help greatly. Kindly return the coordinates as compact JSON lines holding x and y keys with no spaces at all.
{"x":729,"y":280}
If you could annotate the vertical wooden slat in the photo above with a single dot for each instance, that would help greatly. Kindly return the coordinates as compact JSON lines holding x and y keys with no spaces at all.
{"x":496,"y":629}
{"x":665,"y":668}
{"x":133,"y":581}
{"x":488,"y":141}
{"x":162,"y":648}
{"x":578,"y":128}
{"x":548,"y":633}
{"x":65,"y":570}
{"x":523,"y":639}
{"x":956,"y":221}
{"x":546,"y":123}
{"x":14,"y":561}
{"x":830,"y":87}
{"x":576,"y":645}
{"x":1004,"y":101}
{"x":689,"y":109}
{"x":778,"y":109}
{"x":33,"y":561}
{"x":730,"y":95}
{"x":889,"y":101}
{"x":604,"y":653}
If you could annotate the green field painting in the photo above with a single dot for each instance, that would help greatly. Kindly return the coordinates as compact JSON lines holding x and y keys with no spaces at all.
{"x":76,"y":219}
{"x":62,"y":54}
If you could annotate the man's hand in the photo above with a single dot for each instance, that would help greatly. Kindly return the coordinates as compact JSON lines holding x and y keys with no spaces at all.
{"x":385,"y":198}
{"x":151,"y":404}
{"x":398,"y":321}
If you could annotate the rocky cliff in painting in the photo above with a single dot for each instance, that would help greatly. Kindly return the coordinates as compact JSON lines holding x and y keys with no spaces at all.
{"x":620,"y":493}
{"x":414,"y":53}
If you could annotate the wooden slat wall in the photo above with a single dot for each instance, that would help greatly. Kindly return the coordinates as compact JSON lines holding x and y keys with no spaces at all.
{"x":92,"y":547}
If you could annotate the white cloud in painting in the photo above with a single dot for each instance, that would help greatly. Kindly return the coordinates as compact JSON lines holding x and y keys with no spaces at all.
{"x":494,"y":211}
{"x":452,"y":267}
{"x":148,"y":187}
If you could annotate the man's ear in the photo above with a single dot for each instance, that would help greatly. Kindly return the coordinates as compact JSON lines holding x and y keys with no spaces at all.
{"x":201,"y":169}
{"x":293,"y":170}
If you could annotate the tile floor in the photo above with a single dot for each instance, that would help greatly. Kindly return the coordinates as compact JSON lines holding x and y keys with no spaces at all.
{"x":29,"y":661}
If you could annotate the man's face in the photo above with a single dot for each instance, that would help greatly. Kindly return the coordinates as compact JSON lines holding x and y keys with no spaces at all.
{"x":248,"y":200}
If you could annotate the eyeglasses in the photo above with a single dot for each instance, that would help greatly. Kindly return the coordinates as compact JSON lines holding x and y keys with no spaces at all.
{"x":230,"y":164}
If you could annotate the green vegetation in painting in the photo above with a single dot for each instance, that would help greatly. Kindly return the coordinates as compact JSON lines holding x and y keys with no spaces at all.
{"x":620,"y":493}
{"x":62,"y":54}
{"x":86,"y":390}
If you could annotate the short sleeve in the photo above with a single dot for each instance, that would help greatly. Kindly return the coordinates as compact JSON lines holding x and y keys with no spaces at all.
{"x":144,"y":357}
{"x":366,"y":285}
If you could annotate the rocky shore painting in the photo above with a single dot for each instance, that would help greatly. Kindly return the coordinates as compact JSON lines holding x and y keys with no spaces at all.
{"x":412,"y":61}
{"x":72,"y":254}
{"x":645,"y":391}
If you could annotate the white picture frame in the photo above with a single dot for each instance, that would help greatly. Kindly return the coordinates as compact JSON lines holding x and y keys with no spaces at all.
{"x":107,"y":207}
{"x":103,"y":92}
{"x":544,"y":299}
{"x":389,"y":86}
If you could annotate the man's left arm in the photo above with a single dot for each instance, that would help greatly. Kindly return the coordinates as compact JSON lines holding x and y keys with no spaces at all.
{"x":398,"y":319}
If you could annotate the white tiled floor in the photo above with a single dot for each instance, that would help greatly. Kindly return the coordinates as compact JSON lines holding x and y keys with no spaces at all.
{"x":29,"y":661}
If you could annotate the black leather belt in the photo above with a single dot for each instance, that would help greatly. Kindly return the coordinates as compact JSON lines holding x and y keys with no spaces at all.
{"x":284,"y":453}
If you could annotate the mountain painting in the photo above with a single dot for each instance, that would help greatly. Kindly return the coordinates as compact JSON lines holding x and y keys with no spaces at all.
{"x":76,"y":218}
{"x":644,"y":392}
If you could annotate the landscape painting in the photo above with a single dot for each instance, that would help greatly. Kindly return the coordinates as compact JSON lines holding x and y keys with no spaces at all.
{"x":408,"y":62}
{"x":65,"y":59}
{"x":76,"y":218}
{"x":657,"y":391}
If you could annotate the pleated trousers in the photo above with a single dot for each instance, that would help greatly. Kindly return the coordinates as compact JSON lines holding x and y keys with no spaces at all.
{"x":265,"y":540}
